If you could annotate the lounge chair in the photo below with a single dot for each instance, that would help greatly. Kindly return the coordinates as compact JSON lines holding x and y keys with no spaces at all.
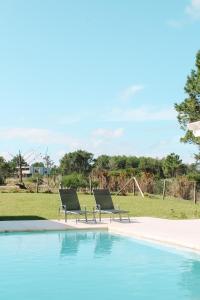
{"x":71,"y":205}
{"x":104,"y":204}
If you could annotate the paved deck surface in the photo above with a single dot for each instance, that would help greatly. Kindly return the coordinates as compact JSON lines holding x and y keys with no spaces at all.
{"x":181,"y":233}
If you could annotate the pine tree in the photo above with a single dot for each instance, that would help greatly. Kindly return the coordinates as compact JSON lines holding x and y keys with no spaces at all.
{"x":189,"y":109}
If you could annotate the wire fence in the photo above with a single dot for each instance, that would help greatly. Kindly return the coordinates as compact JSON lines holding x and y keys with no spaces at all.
{"x":179,"y":187}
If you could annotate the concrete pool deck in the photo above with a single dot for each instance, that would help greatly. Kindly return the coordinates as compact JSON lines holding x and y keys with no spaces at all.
{"x":178,"y":233}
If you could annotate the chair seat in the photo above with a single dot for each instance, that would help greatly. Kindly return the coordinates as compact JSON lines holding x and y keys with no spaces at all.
{"x":112,"y":211}
{"x":78,"y":212}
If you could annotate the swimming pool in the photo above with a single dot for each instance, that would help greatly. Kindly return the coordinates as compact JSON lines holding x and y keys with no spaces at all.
{"x":93,"y":265}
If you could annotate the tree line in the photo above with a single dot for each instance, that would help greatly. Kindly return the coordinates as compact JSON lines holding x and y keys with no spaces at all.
{"x":114,"y":171}
{"x":83,"y":162}
{"x":78,"y":165}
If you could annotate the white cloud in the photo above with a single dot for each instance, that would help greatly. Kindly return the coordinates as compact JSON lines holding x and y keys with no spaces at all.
{"x":102,"y":138}
{"x":131,"y":91}
{"x":175,"y":24}
{"x":141,"y":114}
{"x":99,"y":141}
{"x":108,"y":133}
{"x":60,"y":154}
{"x":163,"y":147}
{"x":38,"y":136}
{"x":96,"y":142}
{"x":6,"y":155}
{"x":193,"y":9}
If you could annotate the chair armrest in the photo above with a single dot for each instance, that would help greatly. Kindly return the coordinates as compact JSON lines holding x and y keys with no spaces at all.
{"x":117,"y":207}
{"x":98,"y":207}
{"x":63,"y":206}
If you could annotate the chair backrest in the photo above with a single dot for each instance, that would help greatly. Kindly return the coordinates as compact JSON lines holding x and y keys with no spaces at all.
{"x":69,"y":198}
{"x":103,"y":198}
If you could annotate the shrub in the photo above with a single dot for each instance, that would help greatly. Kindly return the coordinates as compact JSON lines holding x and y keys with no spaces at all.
{"x":2,"y":180}
{"x":158,"y":187}
{"x":194,"y":177}
{"x":35,"y":178}
{"x":181,"y":187}
{"x":75,"y":181}
{"x":146,"y":182}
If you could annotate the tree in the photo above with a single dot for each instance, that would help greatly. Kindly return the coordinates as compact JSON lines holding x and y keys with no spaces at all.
{"x":172,"y":165}
{"x":102,"y":162}
{"x":132,"y":162}
{"x":5,"y":170}
{"x":48,"y":163}
{"x":118,"y":162}
{"x":151,"y":165}
{"x":38,"y":164}
{"x":78,"y":161}
{"x":189,"y":109}
{"x":14,"y":162}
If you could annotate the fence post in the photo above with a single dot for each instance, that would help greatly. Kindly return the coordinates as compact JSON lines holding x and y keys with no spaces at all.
{"x":37,"y":185}
{"x":195,"y":192}
{"x":133,"y":187}
{"x":164,"y":189}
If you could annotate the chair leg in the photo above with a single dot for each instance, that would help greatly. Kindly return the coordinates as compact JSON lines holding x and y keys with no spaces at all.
{"x":94,"y":217}
{"x":59,"y":213}
{"x":120,"y":217}
{"x":65,"y":217}
{"x":86,"y":219}
{"x":99,"y":216}
{"x":129,"y":218}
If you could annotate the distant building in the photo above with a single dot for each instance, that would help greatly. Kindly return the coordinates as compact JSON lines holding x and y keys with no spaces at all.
{"x":40,"y":171}
{"x":195,"y":128}
{"x":25,"y":171}
{"x":28,"y":171}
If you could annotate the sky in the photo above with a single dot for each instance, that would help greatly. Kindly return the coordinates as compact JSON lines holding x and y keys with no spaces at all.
{"x":97,"y":75}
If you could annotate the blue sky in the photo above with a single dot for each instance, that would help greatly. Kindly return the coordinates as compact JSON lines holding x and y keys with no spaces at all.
{"x":97,"y":75}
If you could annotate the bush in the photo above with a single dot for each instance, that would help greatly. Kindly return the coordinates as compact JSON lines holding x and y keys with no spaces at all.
{"x":146,"y":183}
{"x":158,"y":186}
{"x":181,"y":187}
{"x":35,"y":178}
{"x":75,"y":181}
{"x":2,"y":180}
{"x":194,"y":177}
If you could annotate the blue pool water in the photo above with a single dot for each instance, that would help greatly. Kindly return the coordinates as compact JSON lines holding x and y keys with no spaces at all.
{"x":93,"y":265}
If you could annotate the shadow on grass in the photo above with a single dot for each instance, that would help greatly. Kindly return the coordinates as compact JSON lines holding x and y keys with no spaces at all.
{"x":21,"y":218}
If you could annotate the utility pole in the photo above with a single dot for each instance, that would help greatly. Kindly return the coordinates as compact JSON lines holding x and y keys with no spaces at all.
{"x":20,"y":168}
{"x":48,"y":164}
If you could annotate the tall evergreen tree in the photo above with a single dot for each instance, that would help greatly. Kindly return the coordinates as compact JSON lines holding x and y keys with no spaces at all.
{"x":189,"y":109}
{"x":172,"y":165}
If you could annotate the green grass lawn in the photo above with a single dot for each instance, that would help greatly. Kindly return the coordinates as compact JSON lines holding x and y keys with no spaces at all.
{"x":34,"y":206}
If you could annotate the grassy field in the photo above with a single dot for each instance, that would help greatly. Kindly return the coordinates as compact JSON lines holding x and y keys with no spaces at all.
{"x":36,"y":206}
